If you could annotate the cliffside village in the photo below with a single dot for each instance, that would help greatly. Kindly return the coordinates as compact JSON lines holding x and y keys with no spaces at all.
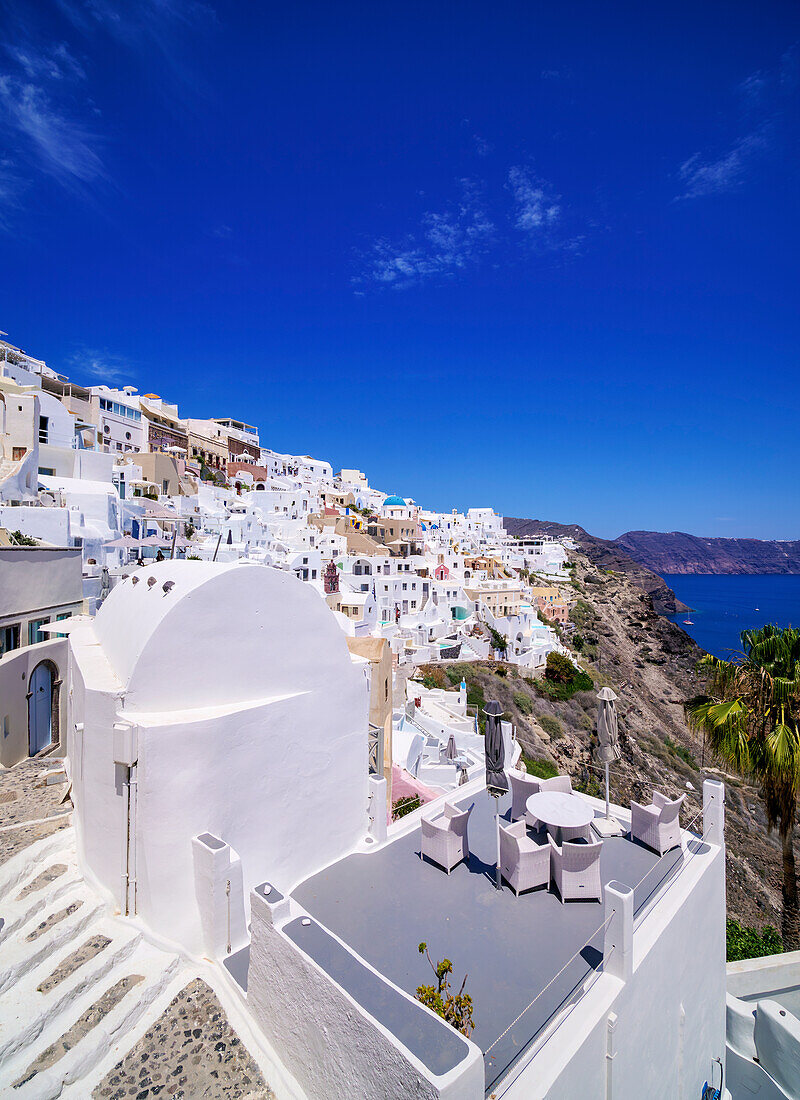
{"x":211,"y":710}
{"x":100,"y":481}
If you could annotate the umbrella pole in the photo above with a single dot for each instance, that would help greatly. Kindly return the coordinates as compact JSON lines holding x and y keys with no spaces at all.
{"x":608,"y":800}
{"x":497,"y":883}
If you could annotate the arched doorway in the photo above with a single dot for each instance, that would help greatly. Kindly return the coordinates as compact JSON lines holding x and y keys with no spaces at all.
{"x":43,"y":709}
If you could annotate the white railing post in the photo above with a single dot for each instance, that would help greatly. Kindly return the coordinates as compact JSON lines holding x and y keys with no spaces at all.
{"x":377,"y":808}
{"x":714,"y":811}
{"x":618,"y":940}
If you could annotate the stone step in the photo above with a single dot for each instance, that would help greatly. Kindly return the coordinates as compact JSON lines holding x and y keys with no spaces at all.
{"x":92,"y":1026}
{"x":52,"y":927}
{"x":28,"y":906}
{"x":124,"y":1043}
{"x":30,"y":1006}
{"x":24,"y":867}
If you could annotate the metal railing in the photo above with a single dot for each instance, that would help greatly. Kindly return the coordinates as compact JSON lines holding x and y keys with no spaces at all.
{"x":375,"y":742}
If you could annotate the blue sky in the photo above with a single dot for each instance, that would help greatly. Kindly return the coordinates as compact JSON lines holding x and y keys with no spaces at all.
{"x":543,"y":258}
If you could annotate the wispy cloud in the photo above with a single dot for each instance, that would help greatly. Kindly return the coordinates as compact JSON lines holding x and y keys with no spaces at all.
{"x":50,"y":63}
{"x":446,"y":243}
{"x":61,"y":145}
{"x":10,"y":190}
{"x":145,"y":27}
{"x":101,"y":365}
{"x":537,"y":208}
{"x":700,"y":176}
{"x":764,"y":97}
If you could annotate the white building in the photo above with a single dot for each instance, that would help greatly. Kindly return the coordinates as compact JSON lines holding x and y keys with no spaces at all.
{"x":120,"y":419}
{"x":267,"y":751}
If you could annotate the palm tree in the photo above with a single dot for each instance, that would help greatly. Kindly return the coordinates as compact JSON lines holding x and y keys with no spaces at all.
{"x":752,"y":721}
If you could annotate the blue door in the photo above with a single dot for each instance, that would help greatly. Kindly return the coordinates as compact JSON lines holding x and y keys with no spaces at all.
{"x":40,"y":713}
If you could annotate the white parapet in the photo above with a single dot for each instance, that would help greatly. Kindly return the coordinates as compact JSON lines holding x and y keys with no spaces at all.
{"x":714,"y":812}
{"x":335,"y":1019}
{"x":219,"y":888}
{"x":618,"y":941}
{"x":377,"y":808}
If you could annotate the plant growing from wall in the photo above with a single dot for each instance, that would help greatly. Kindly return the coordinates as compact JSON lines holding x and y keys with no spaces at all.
{"x":188,"y":529}
{"x":499,"y":641}
{"x":456,"y":1008}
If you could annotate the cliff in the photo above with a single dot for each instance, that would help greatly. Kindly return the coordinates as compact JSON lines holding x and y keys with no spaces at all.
{"x":678,"y":552}
{"x":604,"y":555}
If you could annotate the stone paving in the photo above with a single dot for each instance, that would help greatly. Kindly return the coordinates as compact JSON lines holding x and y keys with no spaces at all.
{"x":190,"y":1053}
{"x":14,"y":841}
{"x":93,"y":946}
{"x":44,"y":879}
{"x":91,"y":1018}
{"x":24,"y":796}
{"x":54,"y":918}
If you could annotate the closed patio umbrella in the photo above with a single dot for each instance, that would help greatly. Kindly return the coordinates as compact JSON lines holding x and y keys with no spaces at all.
{"x":451,"y":751}
{"x":608,"y":750}
{"x":496,"y":782}
{"x":127,"y":542}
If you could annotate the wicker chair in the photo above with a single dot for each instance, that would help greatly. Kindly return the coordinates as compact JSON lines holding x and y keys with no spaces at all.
{"x":522,"y":787}
{"x":573,"y":832}
{"x":657,"y":825}
{"x":576,"y":869}
{"x":444,"y":836}
{"x":524,"y":863}
{"x":560,"y":783}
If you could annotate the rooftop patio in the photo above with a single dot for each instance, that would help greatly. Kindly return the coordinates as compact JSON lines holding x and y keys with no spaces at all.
{"x":382,"y":904}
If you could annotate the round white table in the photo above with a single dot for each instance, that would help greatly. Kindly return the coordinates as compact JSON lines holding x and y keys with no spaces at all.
{"x":559,"y":811}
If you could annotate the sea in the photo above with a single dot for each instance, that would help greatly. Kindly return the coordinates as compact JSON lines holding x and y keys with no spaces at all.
{"x":723,"y":605}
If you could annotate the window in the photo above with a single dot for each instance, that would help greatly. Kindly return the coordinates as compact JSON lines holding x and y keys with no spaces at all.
{"x":33,"y":630}
{"x":9,"y":638}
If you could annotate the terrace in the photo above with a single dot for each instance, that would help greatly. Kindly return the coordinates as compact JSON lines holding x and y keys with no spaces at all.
{"x":381,"y":904}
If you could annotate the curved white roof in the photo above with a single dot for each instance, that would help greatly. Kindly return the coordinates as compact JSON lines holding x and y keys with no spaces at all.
{"x":208,"y":634}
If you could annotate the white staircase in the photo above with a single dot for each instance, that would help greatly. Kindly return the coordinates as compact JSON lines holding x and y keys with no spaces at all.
{"x":78,"y":986}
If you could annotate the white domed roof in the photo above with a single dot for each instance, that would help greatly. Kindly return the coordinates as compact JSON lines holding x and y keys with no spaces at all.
{"x":190,"y":634}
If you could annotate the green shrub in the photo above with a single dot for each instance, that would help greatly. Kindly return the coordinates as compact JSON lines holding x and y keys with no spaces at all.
{"x":18,"y":539}
{"x":560,"y":692}
{"x":552,"y":725}
{"x":475,"y":696}
{"x":540,"y":767}
{"x":405,"y":805}
{"x":748,"y":943}
{"x":681,"y":752}
{"x":581,"y":613}
{"x":523,"y":702}
{"x":559,"y":669}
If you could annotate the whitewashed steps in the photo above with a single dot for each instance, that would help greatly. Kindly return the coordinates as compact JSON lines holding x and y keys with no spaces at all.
{"x":78,"y":986}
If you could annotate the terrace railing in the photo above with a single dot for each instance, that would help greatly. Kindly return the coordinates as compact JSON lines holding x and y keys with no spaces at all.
{"x":375,"y":741}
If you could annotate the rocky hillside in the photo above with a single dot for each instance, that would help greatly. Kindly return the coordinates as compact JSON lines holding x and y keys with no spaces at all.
{"x":678,"y":552}
{"x":650,"y":663}
{"x":605,"y":555}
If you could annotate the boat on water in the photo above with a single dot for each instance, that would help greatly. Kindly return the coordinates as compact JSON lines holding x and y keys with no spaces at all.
{"x":688,"y":622}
